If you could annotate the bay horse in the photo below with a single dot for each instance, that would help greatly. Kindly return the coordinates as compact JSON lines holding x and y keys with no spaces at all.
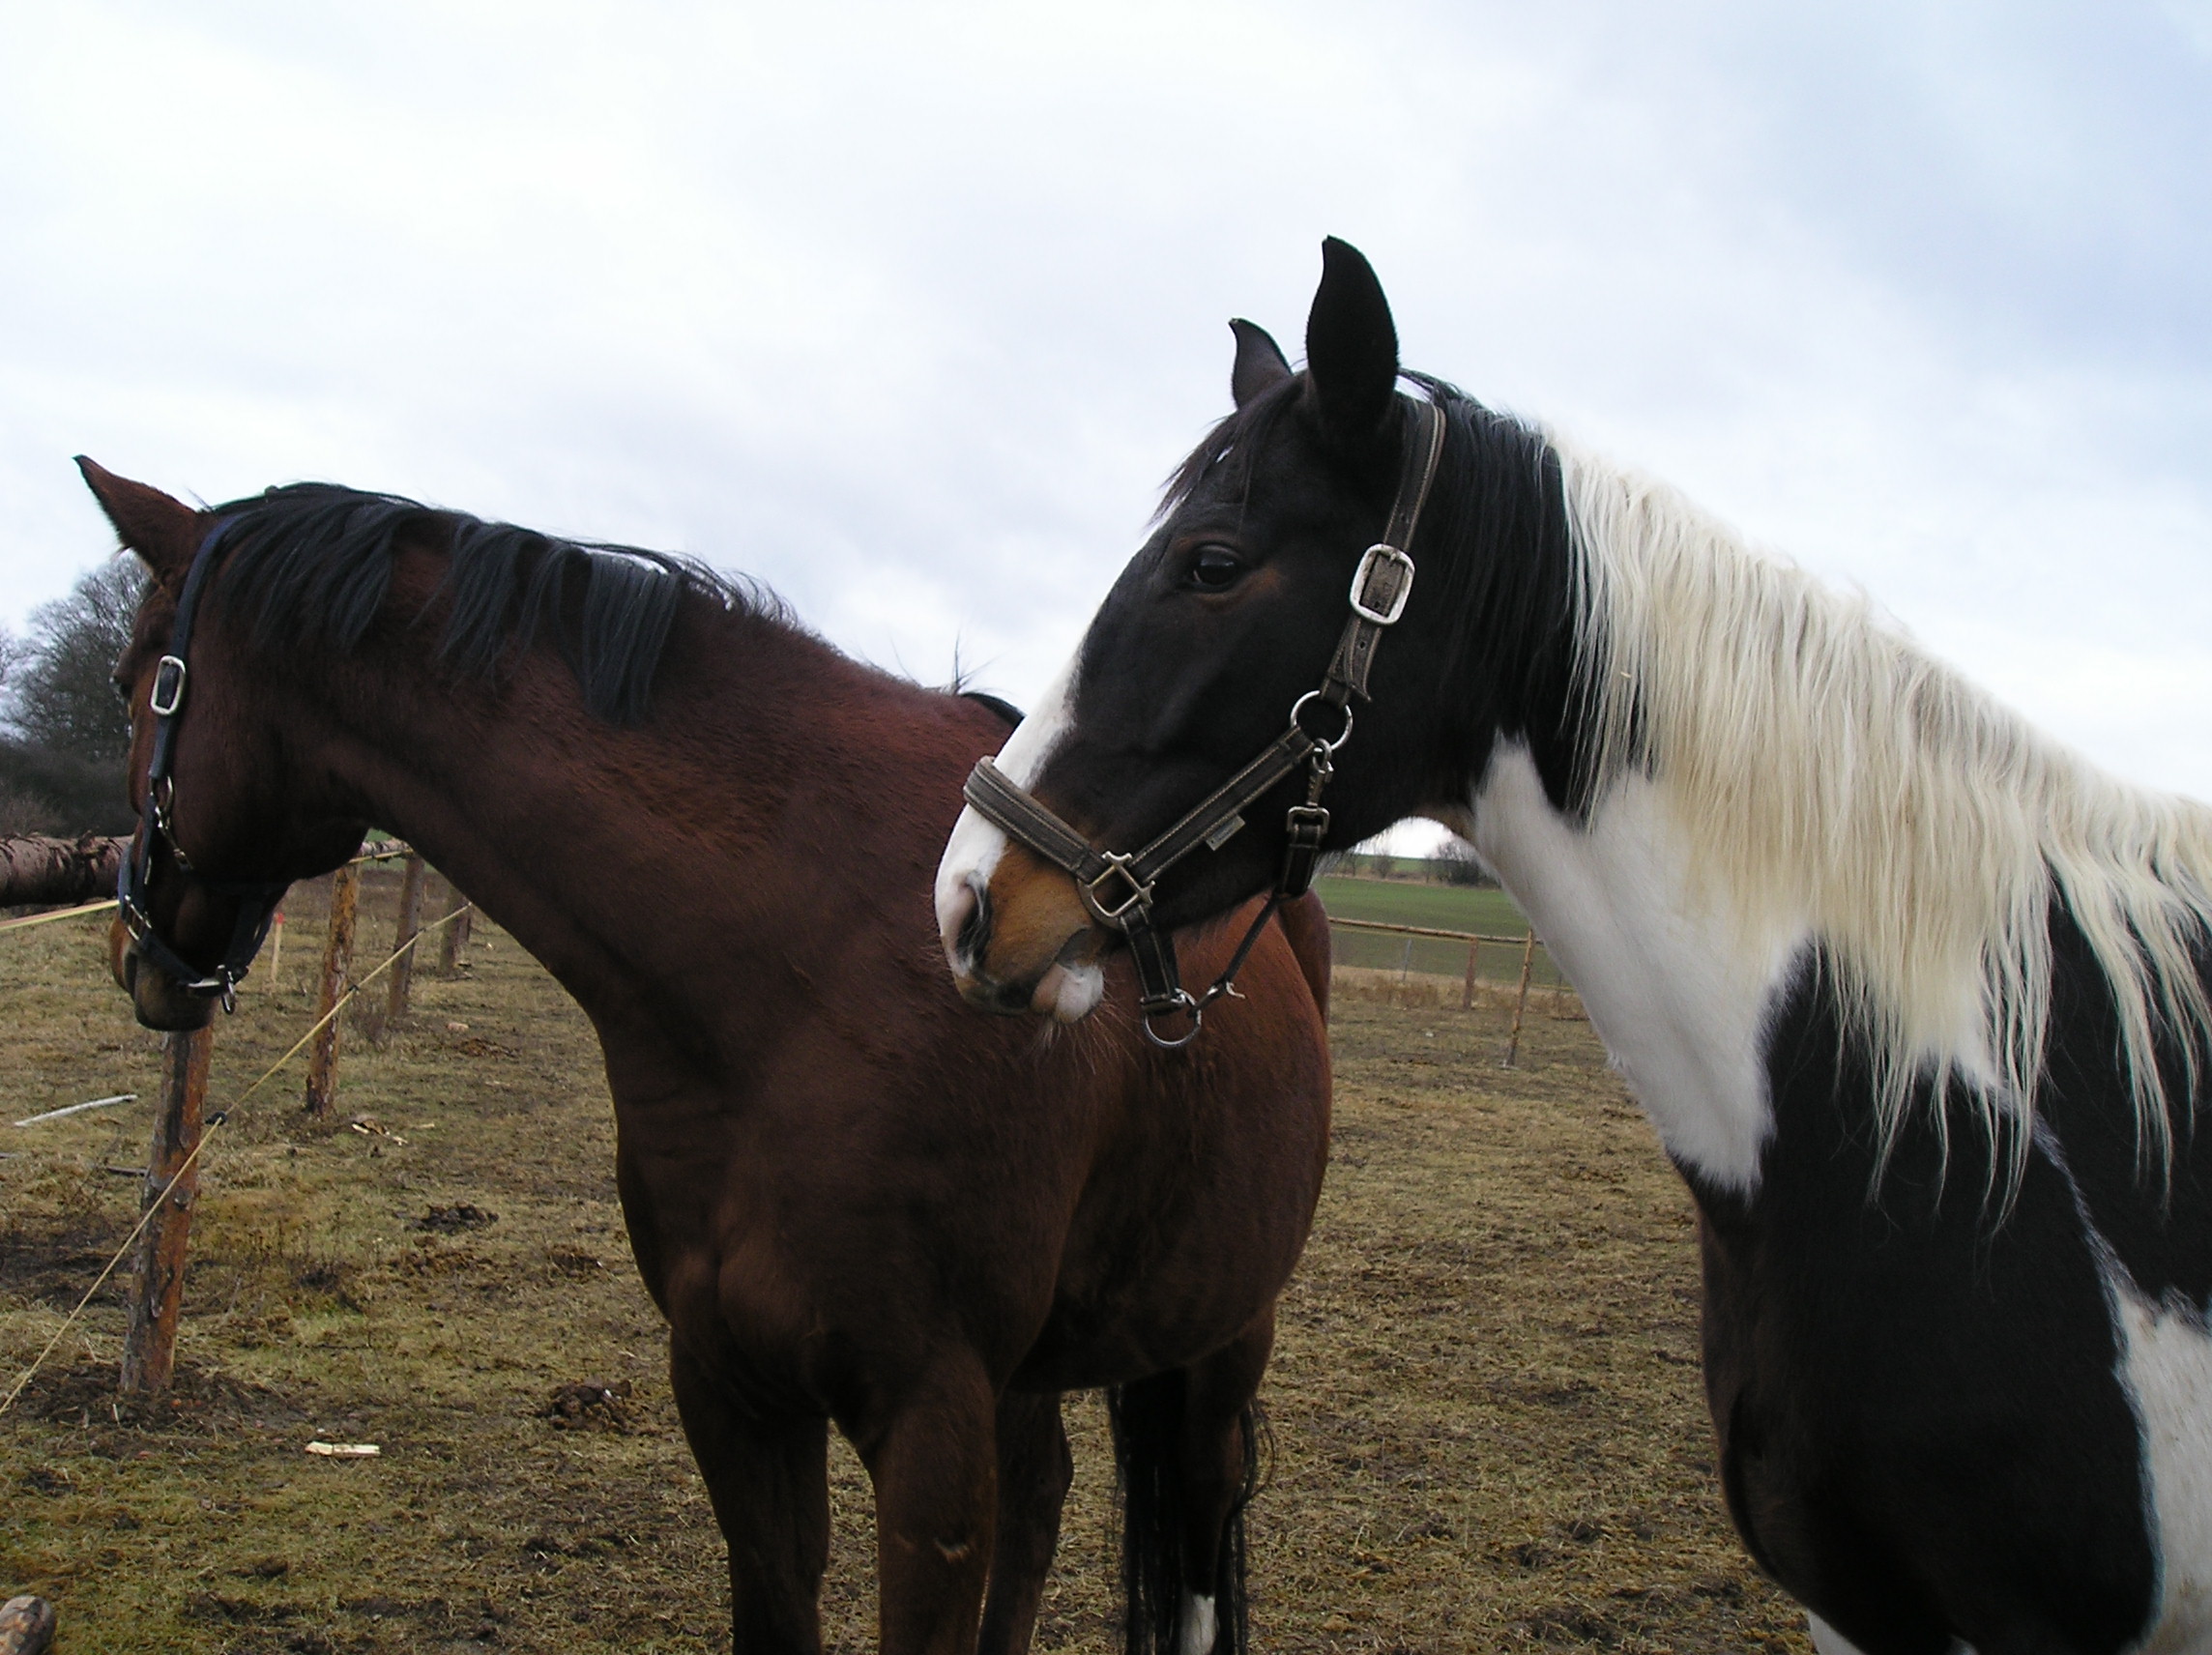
{"x":1913,"y":996}
{"x":853,"y":1199}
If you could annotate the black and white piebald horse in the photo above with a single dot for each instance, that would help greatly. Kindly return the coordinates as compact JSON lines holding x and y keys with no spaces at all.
{"x":1914,"y":996}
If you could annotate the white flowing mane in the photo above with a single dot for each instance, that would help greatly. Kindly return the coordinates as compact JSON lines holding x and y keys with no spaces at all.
{"x":1828,"y":773}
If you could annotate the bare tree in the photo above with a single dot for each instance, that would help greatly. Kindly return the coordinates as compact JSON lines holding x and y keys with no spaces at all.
{"x":61,"y":767}
{"x":21,"y":810}
{"x":61,"y":694}
{"x":1458,"y":864}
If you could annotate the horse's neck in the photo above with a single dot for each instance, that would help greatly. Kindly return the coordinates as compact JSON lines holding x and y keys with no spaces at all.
{"x":1678,"y":991}
{"x":613,"y":854}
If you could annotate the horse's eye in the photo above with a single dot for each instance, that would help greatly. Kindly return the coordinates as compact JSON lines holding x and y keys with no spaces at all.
{"x":1214,"y":569}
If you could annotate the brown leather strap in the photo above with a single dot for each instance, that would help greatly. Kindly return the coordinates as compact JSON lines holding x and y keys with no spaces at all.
{"x":1006,"y":807}
{"x":1159,"y":978}
{"x":1385,"y":575}
{"x":1118,"y":890}
{"x":1305,"y":829}
{"x":1129,"y":907}
{"x":1214,"y":819}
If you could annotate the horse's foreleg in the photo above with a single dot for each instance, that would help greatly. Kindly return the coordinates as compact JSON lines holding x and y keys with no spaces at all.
{"x":769,"y":1480}
{"x":1034,"y":1469}
{"x":933,"y":1457}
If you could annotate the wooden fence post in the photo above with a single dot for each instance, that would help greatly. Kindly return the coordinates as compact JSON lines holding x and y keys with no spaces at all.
{"x":276,"y":946}
{"x":150,"y":1343}
{"x":379,"y":1022}
{"x":337,"y":968}
{"x":1521,"y":1005}
{"x":1466,"y":993}
{"x":457,"y":938}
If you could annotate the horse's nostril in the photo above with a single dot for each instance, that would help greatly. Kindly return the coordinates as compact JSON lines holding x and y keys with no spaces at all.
{"x":974,"y":932}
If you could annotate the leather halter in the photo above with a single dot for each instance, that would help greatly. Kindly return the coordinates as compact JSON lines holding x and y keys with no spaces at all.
{"x":1116,"y":886}
{"x":258,"y":898}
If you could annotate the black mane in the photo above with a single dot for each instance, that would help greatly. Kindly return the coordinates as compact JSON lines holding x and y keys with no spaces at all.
{"x":1498,"y":515}
{"x":311,"y":565}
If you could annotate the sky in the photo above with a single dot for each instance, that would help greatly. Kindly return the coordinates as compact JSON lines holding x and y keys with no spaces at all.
{"x":907,"y":309}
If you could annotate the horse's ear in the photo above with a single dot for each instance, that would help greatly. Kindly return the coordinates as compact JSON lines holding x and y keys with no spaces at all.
{"x":164,"y":531}
{"x":1352,"y":351}
{"x":1260,"y":364}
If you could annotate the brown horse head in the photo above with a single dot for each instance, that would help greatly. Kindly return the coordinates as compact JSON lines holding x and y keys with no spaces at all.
{"x":227,"y":827}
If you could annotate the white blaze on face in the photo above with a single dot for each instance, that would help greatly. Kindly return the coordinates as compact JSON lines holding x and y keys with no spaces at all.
{"x":972,"y":855}
{"x":975,"y":846}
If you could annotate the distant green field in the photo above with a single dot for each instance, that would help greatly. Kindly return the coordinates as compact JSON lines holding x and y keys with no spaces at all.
{"x":1448,"y":907}
{"x":1443,"y":907}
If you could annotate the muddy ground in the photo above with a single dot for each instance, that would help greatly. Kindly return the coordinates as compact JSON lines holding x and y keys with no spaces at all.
{"x":1486,"y":1426}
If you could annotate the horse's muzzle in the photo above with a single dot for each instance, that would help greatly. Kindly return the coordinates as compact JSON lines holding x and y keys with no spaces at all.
{"x":155,"y":996}
{"x":1021,"y":940}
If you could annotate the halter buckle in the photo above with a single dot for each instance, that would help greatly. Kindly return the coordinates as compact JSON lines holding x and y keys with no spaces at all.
{"x":1306,"y":827}
{"x":135,"y":922}
{"x":168,"y":693}
{"x":1138,"y":901}
{"x":1377,"y":558}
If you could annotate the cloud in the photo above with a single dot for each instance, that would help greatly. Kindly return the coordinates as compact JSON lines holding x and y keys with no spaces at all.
{"x":908,"y":310}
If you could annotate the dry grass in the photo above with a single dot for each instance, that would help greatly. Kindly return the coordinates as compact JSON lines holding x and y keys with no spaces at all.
{"x":1431,"y":991}
{"x":1488,"y":1431}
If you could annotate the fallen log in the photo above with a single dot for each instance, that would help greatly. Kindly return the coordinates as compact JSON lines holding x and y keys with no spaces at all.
{"x":36,"y":869}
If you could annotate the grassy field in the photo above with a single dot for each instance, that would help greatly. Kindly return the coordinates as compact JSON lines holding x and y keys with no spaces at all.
{"x":1487,"y":1425}
{"x":1440,"y":907}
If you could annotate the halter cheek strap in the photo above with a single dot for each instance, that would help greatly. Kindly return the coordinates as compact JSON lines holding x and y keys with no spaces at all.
{"x":1117,"y":888}
{"x":258,"y":898}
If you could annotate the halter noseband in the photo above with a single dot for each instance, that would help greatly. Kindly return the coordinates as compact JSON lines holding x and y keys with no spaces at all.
{"x":1116,"y":886}
{"x":257,"y":906}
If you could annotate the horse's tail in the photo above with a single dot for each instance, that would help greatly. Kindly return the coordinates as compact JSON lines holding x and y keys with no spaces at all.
{"x":1148,"y":1420}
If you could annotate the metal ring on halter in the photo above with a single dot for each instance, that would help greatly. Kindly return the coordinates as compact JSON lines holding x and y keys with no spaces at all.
{"x":1300,"y":706}
{"x":1185,"y":1003}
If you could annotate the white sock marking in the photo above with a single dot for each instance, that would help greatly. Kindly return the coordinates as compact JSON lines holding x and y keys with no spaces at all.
{"x":1195,"y":1631}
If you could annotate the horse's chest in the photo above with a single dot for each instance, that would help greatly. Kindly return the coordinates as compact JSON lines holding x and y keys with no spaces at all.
{"x":1918,"y":1409}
